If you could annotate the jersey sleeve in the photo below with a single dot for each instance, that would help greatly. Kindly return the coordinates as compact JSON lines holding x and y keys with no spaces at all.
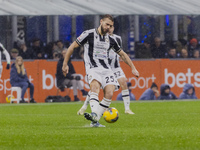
{"x":1,"y":47}
{"x":114,"y":45}
{"x":119,"y":41}
{"x":83,"y":38}
{"x":5,"y":52}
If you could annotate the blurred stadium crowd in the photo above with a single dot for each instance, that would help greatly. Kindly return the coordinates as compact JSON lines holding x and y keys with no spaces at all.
{"x":152,"y":40}
{"x":146,"y":50}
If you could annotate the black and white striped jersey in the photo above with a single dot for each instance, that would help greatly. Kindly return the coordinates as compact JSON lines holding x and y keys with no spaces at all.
{"x":1,"y":50}
{"x":114,"y":57}
{"x":5,"y":52}
{"x":96,"y":48}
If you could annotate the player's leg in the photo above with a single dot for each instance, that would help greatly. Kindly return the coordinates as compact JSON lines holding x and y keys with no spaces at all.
{"x":125,"y":94}
{"x":105,"y":103}
{"x":85,"y":105}
{"x":121,"y":78}
{"x":94,"y":93}
{"x":95,"y":79}
{"x":94,"y":101}
{"x":109,"y":84}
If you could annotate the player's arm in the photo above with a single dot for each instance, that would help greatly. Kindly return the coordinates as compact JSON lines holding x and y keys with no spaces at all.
{"x":124,"y":56}
{"x":5,"y":52}
{"x":81,"y":40}
{"x":70,"y":51}
{"x":128,"y":61}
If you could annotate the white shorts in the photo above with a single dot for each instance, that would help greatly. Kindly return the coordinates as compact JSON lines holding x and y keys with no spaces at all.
{"x":104,"y":76}
{"x":1,"y":69}
{"x":118,"y":72}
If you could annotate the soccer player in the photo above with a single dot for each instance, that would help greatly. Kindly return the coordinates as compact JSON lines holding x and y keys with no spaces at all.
{"x":96,"y":44}
{"x":5,"y":52}
{"x":119,"y":74}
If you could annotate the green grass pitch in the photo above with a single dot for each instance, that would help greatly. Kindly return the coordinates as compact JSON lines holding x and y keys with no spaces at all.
{"x":156,"y":125}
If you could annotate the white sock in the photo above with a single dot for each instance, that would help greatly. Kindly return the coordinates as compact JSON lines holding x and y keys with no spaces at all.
{"x":94,"y":102}
{"x":87,"y":101}
{"x":126,"y":99}
{"x":104,"y":104}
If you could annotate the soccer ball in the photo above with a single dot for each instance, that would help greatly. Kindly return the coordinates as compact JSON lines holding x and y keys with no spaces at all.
{"x":8,"y":98}
{"x":111,"y":115}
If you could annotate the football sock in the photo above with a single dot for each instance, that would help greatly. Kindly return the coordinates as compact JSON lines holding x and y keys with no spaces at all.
{"x":87,"y":101}
{"x":105,"y":103}
{"x":94,"y":102}
{"x":126,"y":99}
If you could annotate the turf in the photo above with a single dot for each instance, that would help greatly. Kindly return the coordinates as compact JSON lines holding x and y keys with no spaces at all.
{"x":157,"y":125}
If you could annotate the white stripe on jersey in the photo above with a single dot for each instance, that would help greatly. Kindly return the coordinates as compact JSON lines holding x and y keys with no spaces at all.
{"x":114,"y":57}
{"x":1,"y":50}
{"x":96,"y":48}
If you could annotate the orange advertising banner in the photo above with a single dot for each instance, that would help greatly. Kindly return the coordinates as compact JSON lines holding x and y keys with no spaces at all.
{"x":149,"y":72}
{"x":174,"y":72}
{"x":178,"y":72}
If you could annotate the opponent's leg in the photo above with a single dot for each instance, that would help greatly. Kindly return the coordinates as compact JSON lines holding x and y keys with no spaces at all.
{"x":85,"y":105}
{"x":125,"y":95}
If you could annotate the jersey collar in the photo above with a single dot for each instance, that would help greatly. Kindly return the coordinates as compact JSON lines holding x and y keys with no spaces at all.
{"x":97,"y":31}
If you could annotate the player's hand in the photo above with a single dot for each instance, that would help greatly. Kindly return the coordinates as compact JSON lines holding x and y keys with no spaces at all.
{"x":8,"y":66}
{"x":135,"y":73}
{"x":65,"y":70}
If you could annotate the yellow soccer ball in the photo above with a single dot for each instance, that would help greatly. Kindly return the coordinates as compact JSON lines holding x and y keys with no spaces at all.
{"x":111,"y":115}
{"x":8,"y":98}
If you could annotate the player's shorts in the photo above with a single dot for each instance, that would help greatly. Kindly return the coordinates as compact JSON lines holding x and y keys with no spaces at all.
{"x":1,"y":69}
{"x":118,"y":72}
{"x":104,"y":76}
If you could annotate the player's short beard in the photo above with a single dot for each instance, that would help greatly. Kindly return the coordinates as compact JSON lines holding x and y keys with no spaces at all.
{"x":102,"y":30}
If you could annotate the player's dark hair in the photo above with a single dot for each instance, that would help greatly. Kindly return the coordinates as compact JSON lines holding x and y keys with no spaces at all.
{"x":108,"y":16}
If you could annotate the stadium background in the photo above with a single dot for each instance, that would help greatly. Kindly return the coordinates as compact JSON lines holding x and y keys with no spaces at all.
{"x":175,"y":72}
{"x":66,"y":19}
{"x":134,"y":21}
